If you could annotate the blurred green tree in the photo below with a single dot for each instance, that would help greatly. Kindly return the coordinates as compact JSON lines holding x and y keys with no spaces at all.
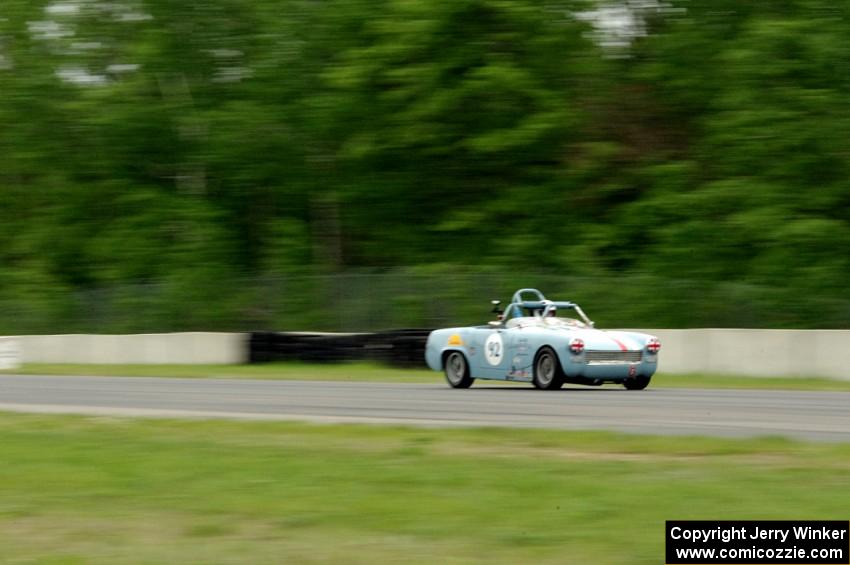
{"x":180,"y":165}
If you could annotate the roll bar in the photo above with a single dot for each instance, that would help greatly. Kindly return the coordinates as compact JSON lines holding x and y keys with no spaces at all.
{"x":518,"y":295}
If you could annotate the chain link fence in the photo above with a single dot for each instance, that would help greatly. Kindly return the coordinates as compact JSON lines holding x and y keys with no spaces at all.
{"x":360,"y":302}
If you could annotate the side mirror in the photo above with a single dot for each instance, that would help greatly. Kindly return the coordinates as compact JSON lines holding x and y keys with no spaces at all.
{"x":496,"y":309}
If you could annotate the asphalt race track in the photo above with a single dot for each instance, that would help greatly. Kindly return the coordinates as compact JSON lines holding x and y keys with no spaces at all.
{"x":730,"y":413}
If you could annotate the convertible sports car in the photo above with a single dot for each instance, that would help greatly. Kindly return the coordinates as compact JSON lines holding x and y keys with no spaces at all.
{"x":532,"y":342}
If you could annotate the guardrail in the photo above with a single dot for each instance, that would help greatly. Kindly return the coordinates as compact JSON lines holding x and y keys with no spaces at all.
{"x":10,"y":355}
{"x":404,"y":348}
{"x":186,"y":348}
{"x":756,"y":353}
{"x":759,"y":353}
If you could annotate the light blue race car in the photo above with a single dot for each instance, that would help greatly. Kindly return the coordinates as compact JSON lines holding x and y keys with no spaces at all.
{"x":534,"y":341}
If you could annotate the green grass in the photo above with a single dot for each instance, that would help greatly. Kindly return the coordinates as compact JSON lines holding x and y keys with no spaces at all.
{"x":359,"y":371}
{"x":108,"y":490}
{"x":375,"y":372}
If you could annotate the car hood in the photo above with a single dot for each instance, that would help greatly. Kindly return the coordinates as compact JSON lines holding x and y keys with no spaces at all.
{"x":598,"y":340}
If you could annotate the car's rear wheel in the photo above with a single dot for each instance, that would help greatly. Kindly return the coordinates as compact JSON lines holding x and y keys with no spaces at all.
{"x":637,"y":383}
{"x":547,"y":370}
{"x":457,"y":370}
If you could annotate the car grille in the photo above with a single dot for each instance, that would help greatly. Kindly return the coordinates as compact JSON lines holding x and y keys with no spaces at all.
{"x":612,"y":357}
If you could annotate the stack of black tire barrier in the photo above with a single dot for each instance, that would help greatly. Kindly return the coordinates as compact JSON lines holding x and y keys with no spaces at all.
{"x":403,"y":348}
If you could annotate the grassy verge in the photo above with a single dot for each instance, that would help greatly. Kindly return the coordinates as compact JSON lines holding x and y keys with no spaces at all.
{"x":374,"y":372}
{"x":104,"y":490}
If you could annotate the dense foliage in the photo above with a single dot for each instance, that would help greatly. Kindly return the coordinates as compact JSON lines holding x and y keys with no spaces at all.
{"x":185,"y":165}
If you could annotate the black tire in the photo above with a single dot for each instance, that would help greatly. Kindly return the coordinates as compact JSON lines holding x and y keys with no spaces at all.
{"x":547,"y":370}
{"x":457,"y":370}
{"x":637,"y":383}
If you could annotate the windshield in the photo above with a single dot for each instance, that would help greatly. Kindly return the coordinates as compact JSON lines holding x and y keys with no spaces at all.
{"x":527,"y":313}
{"x":550,"y":321}
{"x":563,"y":322}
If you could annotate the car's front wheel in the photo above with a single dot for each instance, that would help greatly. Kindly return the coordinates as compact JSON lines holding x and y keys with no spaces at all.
{"x":637,"y":383}
{"x":547,"y":370}
{"x":457,"y":370}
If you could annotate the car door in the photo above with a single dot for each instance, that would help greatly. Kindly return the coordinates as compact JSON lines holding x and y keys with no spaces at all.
{"x":492,"y":359}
